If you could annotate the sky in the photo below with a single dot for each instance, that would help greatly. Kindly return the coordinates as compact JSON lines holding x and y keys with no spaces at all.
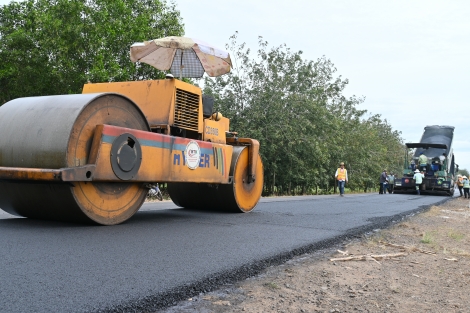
{"x":409,"y":59}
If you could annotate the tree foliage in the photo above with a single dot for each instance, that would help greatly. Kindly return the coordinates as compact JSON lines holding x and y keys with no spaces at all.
{"x":306,"y":126}
{"x":55,"y":46}
{"x":463,"y":172}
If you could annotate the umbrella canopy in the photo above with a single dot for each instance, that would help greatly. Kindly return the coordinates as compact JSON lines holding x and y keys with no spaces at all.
{"x":183,"y":56}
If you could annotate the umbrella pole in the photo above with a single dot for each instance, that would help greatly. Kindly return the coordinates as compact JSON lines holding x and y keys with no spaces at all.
{"x":181,"y":66}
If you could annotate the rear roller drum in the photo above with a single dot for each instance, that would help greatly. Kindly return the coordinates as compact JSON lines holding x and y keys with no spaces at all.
{"x":56,"y":132}
{"x":239,"y":196}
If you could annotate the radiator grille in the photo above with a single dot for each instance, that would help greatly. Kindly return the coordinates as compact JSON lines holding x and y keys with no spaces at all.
{"x":186,"y":110}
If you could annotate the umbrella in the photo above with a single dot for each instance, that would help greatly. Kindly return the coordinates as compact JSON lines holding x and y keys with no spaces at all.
{"x":183,"y":56}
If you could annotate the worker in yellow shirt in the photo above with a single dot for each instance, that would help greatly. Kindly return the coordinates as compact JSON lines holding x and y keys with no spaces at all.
{"x":341,"y":176}
{"x":423,"y":162}
{"x":459,"y":184}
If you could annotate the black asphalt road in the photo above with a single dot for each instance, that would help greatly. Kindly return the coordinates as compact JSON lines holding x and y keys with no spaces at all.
{"x":164,"y":254}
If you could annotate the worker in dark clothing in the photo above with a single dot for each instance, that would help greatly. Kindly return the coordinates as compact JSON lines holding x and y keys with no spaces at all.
{"x":383,"y":183}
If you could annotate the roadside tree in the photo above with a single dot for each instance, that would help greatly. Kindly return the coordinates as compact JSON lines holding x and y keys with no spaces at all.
{"x":52,"y":47}
{"x":306,"y":126}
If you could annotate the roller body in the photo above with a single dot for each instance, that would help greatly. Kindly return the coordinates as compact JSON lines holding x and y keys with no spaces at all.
{"x":89,"y":157}
{"x":55,"y":132}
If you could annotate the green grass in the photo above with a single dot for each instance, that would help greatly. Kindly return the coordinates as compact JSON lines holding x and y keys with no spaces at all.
{"x":455,"y":235}
{"x":428,"y":238}
{"x":271,"y":285}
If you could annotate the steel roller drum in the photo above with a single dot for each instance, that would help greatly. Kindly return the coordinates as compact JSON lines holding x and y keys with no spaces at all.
{"x":54,"y":132}
{"x":239,"y":196}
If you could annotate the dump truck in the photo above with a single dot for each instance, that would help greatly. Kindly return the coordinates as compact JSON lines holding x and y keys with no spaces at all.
{"x":91,"y":157}
{"x":440,"y":167}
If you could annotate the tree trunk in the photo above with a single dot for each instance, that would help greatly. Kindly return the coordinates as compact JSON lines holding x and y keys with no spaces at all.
{"x":274,"y":182}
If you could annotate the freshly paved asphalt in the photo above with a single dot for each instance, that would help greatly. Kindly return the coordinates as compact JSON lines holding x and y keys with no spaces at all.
{"x":164,"y":254}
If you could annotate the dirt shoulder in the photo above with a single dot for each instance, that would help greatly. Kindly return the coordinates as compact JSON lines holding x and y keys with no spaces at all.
{"x":419,"y":265}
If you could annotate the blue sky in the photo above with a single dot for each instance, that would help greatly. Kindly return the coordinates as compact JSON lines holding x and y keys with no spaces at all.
{"x":409,"y":59}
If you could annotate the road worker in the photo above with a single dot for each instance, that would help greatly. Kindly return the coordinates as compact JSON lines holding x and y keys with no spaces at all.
{"x":466,"y":187}
{"x":459,"y":184}
{"x":418,"y":177}
{"x":423,"y":161}
{"x":341,"y":176}
{"x":383,"y":180}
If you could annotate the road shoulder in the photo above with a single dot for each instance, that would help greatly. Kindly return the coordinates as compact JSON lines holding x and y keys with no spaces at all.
{"x":421,"y":264}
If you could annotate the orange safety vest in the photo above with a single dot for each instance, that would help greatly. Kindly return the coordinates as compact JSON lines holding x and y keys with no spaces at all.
{"x":460,"y":181}
{"x":341,"y":174}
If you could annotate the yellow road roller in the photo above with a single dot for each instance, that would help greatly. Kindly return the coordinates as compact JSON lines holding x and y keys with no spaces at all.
{"x":91,"y":157}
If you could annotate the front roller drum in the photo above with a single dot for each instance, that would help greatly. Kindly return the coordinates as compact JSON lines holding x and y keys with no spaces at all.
{"x":240,"y":195}
{"x":57,"y":132}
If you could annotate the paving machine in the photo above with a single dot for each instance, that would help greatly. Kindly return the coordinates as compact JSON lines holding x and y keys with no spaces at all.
{"x":91,"y":157}
{"x":440,"y":168}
